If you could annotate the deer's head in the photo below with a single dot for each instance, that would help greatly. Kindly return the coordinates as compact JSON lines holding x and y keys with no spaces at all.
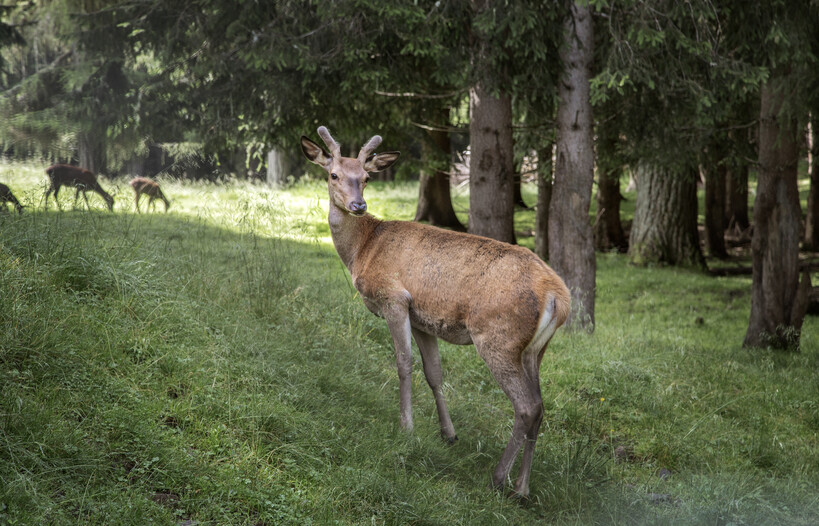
{"x":347,"y":177}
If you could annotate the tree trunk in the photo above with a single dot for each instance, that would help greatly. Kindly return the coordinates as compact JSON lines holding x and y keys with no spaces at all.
{"x":434,"y":195}
{"x":571,"y":241}
{"x":665,"y":218}
{"x":278,"y":166}
{"x":608,"y":230}
{"x":778,"y":303}
{"x":544,"y":197}
{"x":812,"y":218}
{"x":91,"y":152}
{"x":491,"y":166}
{"x":736,"y":198}
{"x":715,"y":189}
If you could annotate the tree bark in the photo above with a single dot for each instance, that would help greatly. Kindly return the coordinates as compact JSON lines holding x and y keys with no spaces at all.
{"x":778,"y":302}
{"x":608,"y":230}
{"x":665,"y":218}
{"x":715,"y":190}
{"x":492,"y":162}
{"x":491,"y":166}
{"x":811,"y":241}
{"x":278,"y":166}
{"x":571,"y":241}
{"x":91,"y":152}
{"x":545,"y":173}
{"x":736,"y":198}
{"x":434,"y":194}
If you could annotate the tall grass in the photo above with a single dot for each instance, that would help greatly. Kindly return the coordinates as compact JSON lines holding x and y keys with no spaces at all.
{"x":214,"y":365}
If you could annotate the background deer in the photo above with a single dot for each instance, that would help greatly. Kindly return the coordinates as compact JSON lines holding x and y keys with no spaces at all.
{"x":80,"y":178}
{"x":430,"y":283}
{"x":7,"y":197}
{"x":149,"y":187}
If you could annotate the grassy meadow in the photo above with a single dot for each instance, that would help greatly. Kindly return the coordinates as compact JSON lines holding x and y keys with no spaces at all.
{"x":213,"y":365}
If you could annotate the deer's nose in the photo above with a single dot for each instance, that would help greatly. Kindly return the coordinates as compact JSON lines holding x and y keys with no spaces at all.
{"x":358,"y":207}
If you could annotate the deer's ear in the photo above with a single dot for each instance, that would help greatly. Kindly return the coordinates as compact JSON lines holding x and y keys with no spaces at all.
{"x":381,"y":161}
{"x":315,"y":153}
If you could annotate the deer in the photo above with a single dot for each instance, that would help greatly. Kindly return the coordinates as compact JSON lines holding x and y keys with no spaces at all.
{"x":7,"y":197}
{"x":149,"y":187}
{"x":83,"y":180}
{"x":430,"y":283}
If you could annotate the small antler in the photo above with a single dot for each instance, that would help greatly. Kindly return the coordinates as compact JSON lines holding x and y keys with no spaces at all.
{"x":335,"y":148}
{"x":371,"y":145}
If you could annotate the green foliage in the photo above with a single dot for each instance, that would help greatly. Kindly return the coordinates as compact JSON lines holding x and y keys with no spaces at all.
{"x":214,"y":364}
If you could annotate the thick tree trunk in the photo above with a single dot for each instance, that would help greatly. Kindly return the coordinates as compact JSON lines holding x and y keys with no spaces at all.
{"x":608,"y":230}
{"x":91,"y":152}
{"x":665,"y":219}
{"x":778,"y":302}
{"x":545,"y":173}
{"x":736,"y":198}
{"x":571,"y":241}
{"x":434,"y":195}
{"x":715,"y":187}
{"x":812,"y":218}
{"x":491,"y":166}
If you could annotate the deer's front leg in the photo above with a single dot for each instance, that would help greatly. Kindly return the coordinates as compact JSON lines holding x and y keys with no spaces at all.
{"x":397,"y":316}
{"x":431,"y":357}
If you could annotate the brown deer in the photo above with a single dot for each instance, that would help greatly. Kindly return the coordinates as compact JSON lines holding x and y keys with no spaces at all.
{"x":66,"y":175}
{"x":7,"y":197}
{"x":149,"y":187}
{"x":430,"y":283}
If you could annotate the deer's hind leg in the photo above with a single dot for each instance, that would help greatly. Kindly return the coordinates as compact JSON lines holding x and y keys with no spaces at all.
{"x":505,"y":362}
{"x":531,"y":368}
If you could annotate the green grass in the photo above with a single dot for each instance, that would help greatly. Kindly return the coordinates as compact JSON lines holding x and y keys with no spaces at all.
{"x":215,"y":365}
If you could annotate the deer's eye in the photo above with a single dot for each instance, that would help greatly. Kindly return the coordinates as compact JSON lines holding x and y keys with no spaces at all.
{"x":333,"y":176}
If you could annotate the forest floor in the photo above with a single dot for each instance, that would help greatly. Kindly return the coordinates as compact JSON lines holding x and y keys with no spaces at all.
{"x":214,"y":365}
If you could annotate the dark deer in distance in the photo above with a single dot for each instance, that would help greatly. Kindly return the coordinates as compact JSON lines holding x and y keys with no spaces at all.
{"x":430,"y":283}
{"x":7,"y":197}
{"x":149,"y":187}
{"x":66,"y":175}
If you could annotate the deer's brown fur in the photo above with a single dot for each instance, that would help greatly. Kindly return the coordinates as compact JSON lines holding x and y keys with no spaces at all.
{"x":149,"y":187}
{"x":7,"y":197}
{"x":81,"y":179}
{"x":432,"y":283}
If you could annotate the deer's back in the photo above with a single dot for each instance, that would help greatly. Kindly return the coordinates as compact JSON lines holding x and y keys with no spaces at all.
{"x":144,"y":185}
{"x":458,"y":284}
{"x":61,"y":174}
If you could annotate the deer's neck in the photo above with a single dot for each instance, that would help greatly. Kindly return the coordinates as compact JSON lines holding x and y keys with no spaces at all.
{"x":350,"y":233}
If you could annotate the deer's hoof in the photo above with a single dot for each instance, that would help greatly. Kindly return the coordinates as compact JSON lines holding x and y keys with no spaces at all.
{"x":520,"y":498}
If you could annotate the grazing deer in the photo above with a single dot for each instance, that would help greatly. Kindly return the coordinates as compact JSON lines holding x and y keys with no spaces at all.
{"x":80,"y":178}
{"x":143,"y":185}
{"x":430,"y":283}
{"x":7,"y":197}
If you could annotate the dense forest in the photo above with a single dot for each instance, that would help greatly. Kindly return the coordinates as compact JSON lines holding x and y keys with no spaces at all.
{"x":671,"y":93}
{"x":698,"y":116}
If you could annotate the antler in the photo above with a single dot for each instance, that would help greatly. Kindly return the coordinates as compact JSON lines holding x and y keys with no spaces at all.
{"x":335,"y":148}
{"x":371,"y":145}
